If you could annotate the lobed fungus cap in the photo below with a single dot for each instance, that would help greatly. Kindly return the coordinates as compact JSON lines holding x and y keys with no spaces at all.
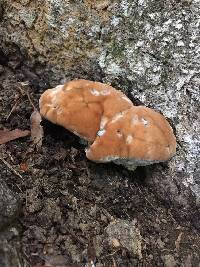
{"x":83,"y":107}
{"x":117,"y":130}
{"x":137,"y":136}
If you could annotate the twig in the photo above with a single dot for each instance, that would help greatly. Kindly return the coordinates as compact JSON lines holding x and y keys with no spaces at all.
{"x":178,"y":241}
{"x":74,"y":200}
{"x":27,"y":94}
{"x":10,"y":167}
{"x":30,"y":100}
{"x":13,"y":108}
{"x":26,"y":201}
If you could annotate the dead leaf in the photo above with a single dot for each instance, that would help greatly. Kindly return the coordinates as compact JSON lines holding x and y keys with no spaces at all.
{"x":7,"y":135}
{"x":37,"y":132}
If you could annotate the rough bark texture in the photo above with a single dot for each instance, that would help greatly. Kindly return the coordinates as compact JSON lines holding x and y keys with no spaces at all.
{"x":148,"y":49}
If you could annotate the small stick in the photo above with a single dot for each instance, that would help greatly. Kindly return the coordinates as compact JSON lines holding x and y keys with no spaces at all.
{"x":27,"y":94}
{"x":30,"y":100}
{"x":10,"y":167}
{"x":13,"y":108}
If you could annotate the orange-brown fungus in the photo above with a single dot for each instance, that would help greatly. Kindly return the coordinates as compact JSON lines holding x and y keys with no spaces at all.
{"x":139,"y":136}
{"x":116,"y":129}
{"x":82,"y":106}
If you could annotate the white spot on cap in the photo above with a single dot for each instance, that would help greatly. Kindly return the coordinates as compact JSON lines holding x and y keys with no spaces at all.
{"x":101,"y":132}
{"x":68,"y":88}
{"x":59,"y":87}
{"x":94,"y":92}
{"x":135,"y":119}
{"x":54,"y":91}
{"x":105,"y":92}
{"x":117,"y":117}
{"x":103,"y":122}
{"x":59,"y":110}
{"x":145,"y":122}
{"x":129,"y":139}
{"x":168,"y":149}
{"x":119,"y":134}
{"x":54,"y":94}
{"x":127,"y":99}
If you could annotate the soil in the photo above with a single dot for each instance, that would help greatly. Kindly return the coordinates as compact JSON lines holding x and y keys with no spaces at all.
{"x":75,"y":212}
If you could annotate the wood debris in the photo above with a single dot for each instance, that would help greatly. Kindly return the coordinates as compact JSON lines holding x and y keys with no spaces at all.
{"x":37,"y":132}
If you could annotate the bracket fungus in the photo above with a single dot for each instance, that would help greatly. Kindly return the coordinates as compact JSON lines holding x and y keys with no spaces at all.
{"x":82,"y":106}
{"x":138,"y":136}
{"x":116,"y":130}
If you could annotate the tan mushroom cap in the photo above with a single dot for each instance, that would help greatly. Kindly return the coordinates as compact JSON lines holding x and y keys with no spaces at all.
{"x":138,"y":136}
{"x":83,"y":106}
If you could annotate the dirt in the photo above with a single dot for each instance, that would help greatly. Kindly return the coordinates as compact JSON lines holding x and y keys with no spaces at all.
{"x":75,"y":212}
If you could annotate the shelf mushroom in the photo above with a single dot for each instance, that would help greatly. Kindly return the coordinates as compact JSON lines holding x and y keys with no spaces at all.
{"x":136,"y":137}
{"x":82,"y":106}
{"x":116,"y":130}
